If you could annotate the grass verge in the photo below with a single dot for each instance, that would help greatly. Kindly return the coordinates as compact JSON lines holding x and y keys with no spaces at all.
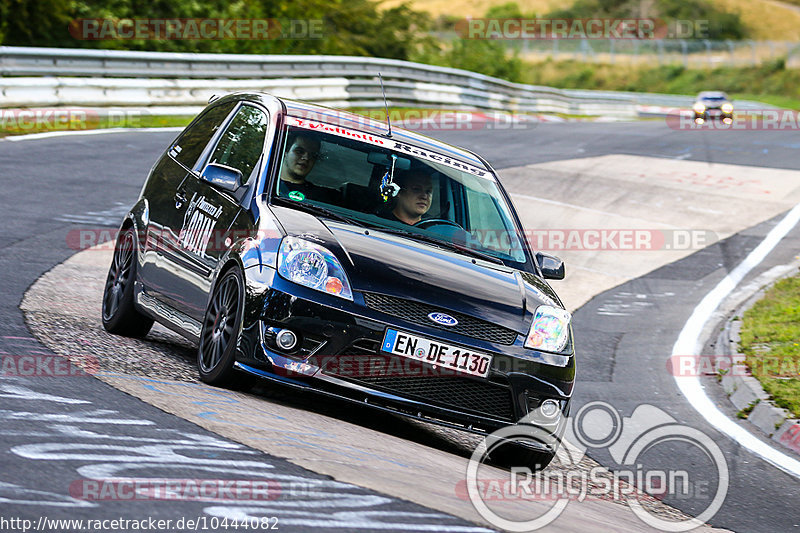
{"x":24,"y":127}
{"x":770,"y":339}
{"x":771,"y":82}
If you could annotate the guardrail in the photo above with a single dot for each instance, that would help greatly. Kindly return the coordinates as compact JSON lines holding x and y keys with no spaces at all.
{"x":691,"y":53}
{"x":64,"y":77}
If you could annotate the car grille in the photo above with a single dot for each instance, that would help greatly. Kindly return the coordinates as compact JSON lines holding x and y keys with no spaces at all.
{"x":455,"y":392}
{"x":417,"y":313}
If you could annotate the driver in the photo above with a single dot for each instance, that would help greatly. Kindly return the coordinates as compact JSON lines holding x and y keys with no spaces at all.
{"x":302,"y":152}
{"x":414,"y":197}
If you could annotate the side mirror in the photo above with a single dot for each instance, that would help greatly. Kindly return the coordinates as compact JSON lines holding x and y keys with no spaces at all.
{"x":552,"y":267}
{"x":222,"y":176}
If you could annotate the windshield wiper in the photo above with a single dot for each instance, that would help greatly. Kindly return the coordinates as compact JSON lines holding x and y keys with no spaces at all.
{"x":319,"y":210}
{"x":475,"y":253}
{"x":444,"y":244}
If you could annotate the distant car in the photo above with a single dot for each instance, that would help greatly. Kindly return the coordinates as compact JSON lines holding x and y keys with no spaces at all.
{"x":319,"y":286}
{"x":713,"y":105}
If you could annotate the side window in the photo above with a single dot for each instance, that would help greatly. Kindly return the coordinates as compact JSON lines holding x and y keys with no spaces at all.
{"x":242,"y":143}
{"x":194,"y":139}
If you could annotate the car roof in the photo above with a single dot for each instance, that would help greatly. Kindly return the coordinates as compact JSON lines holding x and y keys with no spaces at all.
{"x":712,"y":94}
{"x":364,"y":124}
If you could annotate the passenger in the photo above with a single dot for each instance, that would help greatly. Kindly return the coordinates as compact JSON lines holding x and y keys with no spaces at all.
{"x":301,"y":155}
{"x":414,"y":198}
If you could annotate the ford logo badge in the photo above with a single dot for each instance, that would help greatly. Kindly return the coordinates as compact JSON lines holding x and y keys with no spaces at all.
{"x":443,"y":319}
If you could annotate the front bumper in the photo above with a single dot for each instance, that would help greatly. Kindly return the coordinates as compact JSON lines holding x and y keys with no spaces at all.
{"x":338,"y":353}
{"x":709,"y":114}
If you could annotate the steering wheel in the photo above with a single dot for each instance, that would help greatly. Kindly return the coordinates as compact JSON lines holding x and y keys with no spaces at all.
{"x":423,"y":224}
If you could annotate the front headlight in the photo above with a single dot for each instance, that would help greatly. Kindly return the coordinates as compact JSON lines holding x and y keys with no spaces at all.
{"x":313,"y":266}
{"x":549,"y":330}
{"x":699,"y":108}
{"x":727,"y":108}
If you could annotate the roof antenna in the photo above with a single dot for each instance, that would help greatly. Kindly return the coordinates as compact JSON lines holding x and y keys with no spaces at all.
{"x":386,"y":107}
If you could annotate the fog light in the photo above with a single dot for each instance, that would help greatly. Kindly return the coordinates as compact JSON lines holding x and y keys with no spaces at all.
{"x":286,"y":339}
{"x":549,"y":408}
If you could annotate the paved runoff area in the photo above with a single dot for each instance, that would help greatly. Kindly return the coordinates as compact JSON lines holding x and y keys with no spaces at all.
{"x":617,"y":217}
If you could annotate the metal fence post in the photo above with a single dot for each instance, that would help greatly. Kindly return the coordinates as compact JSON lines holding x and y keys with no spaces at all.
{"x":685,"y":53}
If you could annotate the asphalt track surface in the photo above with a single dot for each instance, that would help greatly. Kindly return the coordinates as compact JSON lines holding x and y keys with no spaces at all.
{"x":57,"y":184}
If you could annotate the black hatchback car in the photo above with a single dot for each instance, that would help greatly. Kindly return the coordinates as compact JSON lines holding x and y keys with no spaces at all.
{"x":326,"y":251}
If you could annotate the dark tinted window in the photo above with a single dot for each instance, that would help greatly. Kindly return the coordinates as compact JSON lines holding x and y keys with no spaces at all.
{"x":190,"y":144}
{"x":241,"y":144}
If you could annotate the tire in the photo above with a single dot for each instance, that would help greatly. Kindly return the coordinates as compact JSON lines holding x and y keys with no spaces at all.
{"x":219,"y":334}
{"x":119,"y":312}
{"x":515,"y":455}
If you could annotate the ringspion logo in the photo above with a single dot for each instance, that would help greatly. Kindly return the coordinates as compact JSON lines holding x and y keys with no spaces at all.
{"x":647,"y":433}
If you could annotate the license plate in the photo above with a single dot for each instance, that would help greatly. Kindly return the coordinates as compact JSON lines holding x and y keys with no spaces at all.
{"x":436,"y":353}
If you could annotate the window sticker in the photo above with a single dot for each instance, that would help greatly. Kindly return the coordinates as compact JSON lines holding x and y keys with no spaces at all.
{"x":198,"y":224}
{"x":389,"y":143}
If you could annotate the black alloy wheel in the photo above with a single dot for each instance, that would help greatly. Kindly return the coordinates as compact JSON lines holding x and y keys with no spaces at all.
{"x":221,"y":329}
{"x":120,"y":315}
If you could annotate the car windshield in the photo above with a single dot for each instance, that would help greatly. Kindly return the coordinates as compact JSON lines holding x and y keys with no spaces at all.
{"x":386,"y":184}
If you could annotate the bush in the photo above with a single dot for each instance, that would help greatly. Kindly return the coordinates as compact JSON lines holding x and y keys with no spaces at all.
{"x":721,"y":24}
{"x":351,"y":27}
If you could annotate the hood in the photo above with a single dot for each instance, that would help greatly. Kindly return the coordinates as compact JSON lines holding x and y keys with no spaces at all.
{"x":398,"y":266}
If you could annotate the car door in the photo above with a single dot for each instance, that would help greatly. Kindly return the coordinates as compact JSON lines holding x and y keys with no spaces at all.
{"x":214,"y":216}
{"x":166,"y":206}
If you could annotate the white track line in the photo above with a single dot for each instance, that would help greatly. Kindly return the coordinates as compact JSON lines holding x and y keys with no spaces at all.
{"x":49,"y":134}
{"x":690,"y":343}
